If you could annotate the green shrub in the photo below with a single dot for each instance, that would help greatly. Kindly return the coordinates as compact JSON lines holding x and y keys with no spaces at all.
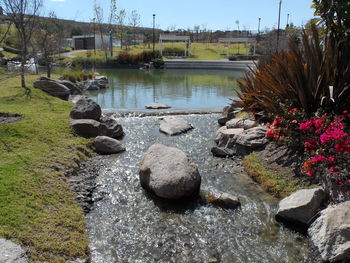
{"x":158,"y":63}
{"x":76,"y":76}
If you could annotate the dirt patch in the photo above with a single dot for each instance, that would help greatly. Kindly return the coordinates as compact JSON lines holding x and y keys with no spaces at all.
{"x":9,"y":118}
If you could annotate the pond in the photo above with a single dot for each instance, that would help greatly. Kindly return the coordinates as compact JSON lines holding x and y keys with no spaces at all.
{"x":179,"y":88}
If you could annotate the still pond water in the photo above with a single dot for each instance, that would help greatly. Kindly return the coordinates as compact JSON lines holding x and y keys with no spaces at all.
{"x":181,"y":89}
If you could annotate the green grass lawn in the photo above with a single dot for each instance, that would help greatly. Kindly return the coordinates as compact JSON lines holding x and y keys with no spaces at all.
{"x":37,"y":208}
{"x":199,"y":51}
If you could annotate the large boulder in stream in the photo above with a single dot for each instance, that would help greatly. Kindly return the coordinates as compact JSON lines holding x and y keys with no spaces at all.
{"x":330,"y":233}
{"x":108,"y":145}
{"x":11,"y":252}
{"x":301,"y":206}
{"x":174,"y":125}
{"x":86,"y":108}
{"x":169,"y":173}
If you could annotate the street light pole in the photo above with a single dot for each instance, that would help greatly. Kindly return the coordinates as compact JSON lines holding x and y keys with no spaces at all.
{"x":94,"y":64}
{"x":279,"y":22}
{"x":154,"y":39}
{"x":259,"y":26}
{"x":287,"y":20}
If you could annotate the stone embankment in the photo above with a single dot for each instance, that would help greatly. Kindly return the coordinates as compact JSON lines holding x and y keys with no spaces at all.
{"x":308,"y":210}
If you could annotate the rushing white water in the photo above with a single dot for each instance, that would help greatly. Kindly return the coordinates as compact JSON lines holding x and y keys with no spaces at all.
{"x":129,"y":225}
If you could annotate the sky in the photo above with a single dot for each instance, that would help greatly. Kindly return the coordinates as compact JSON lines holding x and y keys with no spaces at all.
{"x":184,"y":14}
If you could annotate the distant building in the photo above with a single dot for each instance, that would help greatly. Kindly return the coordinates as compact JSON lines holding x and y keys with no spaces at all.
{"x":90,"y":42}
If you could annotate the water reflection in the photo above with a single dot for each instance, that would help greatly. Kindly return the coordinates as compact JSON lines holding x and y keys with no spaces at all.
{"x":181,"y":89}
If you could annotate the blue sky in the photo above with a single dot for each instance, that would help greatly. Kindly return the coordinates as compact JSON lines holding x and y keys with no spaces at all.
{"x":214,"y":14}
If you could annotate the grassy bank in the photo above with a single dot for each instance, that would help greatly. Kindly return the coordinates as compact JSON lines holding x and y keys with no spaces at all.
{"x":274,"y":182}
{"x":38,"y":209}
{"x":199,"y":51}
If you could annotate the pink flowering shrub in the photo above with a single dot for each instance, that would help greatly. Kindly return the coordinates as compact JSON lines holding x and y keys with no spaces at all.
{"x":324,"y":139}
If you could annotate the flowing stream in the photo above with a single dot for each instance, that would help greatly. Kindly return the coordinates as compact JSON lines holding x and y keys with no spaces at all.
{"x":128,"y":225}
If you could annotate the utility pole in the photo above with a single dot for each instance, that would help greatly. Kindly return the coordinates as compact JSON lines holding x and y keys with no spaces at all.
{"x":154,"y":37}
{"x":279,"y":22}
{"x":287,"y":21}
{"x":111,"y":42}
{"x":94,"y":69}
{"x":259,"y":26}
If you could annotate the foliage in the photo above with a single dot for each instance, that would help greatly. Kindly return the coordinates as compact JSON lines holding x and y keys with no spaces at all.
{"x":324,"y":139}
{"x":300,"y":78}
{"x":123,"y":58}
{"x":76,"y":76}
{"x":158,"y":63}
{"x":336,"y":15}
{"x":76,"y":31}
{"x":38,"y":209}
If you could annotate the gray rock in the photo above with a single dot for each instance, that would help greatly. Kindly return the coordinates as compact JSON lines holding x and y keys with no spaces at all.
{"x":301,"y":206}
{"x":330,"y":233}
{"x":108,"y":145}
{"x":157,"y":106}
{"x":74,"y":89}
{"x":222,"y":152}
{"x":88,"y":128}
{"x":227,"y":137}
{"x":225,"y":200}
{"x":174,"y":125}
{"x":240,"y":123}
{"x":113,"y":128}
{"x":253,"y":138}
{"x":86,"y":109}
{"x":53,"y":88}
{"x":11,"y":252}
{"x":169,"y":173}
{"x":98,"y":83}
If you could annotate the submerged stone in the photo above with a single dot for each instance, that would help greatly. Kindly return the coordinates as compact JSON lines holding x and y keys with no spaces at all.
{"x":157,"y":106}
{"x":174,"y":125}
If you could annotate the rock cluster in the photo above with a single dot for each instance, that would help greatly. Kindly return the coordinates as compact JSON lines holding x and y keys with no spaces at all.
{"x":88,"y":122}
{"x":238,"y":136}
{"x":63,"y":88}
{"x":98,"y":83}
{"x":329,"y":229}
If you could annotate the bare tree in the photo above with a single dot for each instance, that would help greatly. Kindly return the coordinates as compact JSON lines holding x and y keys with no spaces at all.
{"x":111,"y":21}
{"x":99,"y":18}
{"x":47,"y":39}
{"x":134,"y":22}
{"x":121,"y":28}
{"x":23,"y":14}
